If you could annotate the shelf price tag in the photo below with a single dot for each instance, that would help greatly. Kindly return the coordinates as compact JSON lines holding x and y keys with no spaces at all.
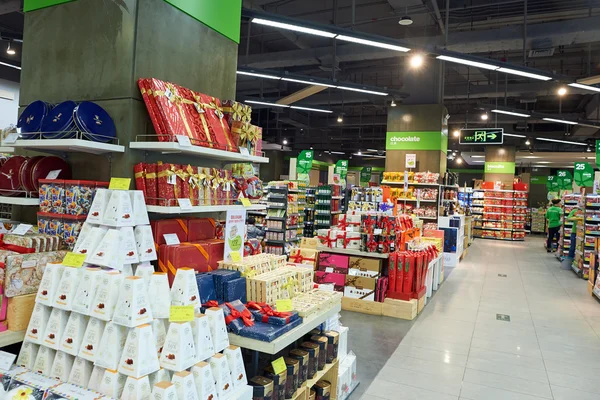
{"x":74,"y":260}
{"x":181,"y":314}
{"x":53,"y":174}
{"x":244,"y":152}
{"x":184,"y":141}
{"x":284,"y":305}
{"x":171,"y":238}
{"x":119,"y":183}
{"x":22,"y":229}
{"x":6,"y":360}
{"x":11,"y":138}
{"x":185,"y":204}
{"x":245,"y":202}
{"x":279,"y":366}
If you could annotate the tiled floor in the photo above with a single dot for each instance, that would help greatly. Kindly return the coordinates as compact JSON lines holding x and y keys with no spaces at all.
{"x":458,"y":349}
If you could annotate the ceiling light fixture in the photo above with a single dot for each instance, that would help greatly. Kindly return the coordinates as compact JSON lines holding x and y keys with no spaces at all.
{"x":527,"y":142}
{"x":459,"y":160}
{"x":340,"y":118}
{"x":359,"y":153}
{"x":291,"y":27}
{"x":9,"y":50}
{"x":477,"y":156}
{"x":405,"y":21}
{"x":525,"y":74}
{"x":10,"y":65}
{"x":311,"y":109}
{"x":514,"y":135}
{"x":362,"y":90}
{"x":264,"y":103}
{"x":337,"y":152}
{"x":307,"y":82}
{"x":589,"y":149}
{"x":561,"y":141}
{"x":484,"y":116}
{"x":372,"y":43}
{"x":416,"y":61}
{"x":560,"y":121}
{"x":393,"y":104}
{"x":516,"y":114}
{"x":456,"y":133}
{"x":585,"y":87}
{"x":467,"y":62}
{"x":285,"y":141}
{"x":562,"y":91}
{"x":258,"y":75}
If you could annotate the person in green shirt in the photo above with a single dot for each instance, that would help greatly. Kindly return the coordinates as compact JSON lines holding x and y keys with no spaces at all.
{"x":574,"y":216}
{"x":553,"y":217}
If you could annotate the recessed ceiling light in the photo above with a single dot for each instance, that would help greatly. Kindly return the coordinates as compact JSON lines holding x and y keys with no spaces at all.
{"x":416,"y":61}
{"x":405,"y":21}
{"x":477,"y":156}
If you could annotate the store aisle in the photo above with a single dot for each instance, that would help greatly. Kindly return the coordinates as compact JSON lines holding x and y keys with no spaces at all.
{"x":458,"y":348}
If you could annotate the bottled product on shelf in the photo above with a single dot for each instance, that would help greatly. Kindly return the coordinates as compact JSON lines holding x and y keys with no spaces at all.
{"x":309,"y":213}
{"x":503,"y":214}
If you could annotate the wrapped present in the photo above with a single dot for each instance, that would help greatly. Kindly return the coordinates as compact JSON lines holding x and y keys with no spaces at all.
{"x":246,"y":135}
{"x":151,"y":184}
{"x":348,"y":240}
{"x":166,"y":182}
{"x":23,"y":272}
{"x":215,"y":249}
{"x":188,"y":255}
{"x":172,"y":109}
{"x":234,"y":289}
{"x":200,"y":130}
{"x":330,"y":262}
{"x":237,"y":316}
{"x":213,"y":112}
{"x":204,"y":185}
{"x":162,"y":227}
{"x":267,"y":332}
{"x":193,"y":183}
{"x":220,"y":276}
{"x":206,"y":287}
{"x":303,"y":256}
{"x":146,"y":90}
{"x":235,"y":111}
{"x":264,"y":313}
{"x":257,"y":141}
{"x":327,"y":237}
{"x":337,"y":279}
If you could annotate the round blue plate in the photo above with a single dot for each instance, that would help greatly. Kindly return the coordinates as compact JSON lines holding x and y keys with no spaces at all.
{"x":32,"y":117}
{"x":58,"y":121}
{"x":93,"y":120}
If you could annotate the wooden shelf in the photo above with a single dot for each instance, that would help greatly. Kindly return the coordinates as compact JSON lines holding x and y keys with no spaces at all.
{"x":352,"y":252}
{"x":11,"y":337}
{"x":205,"y":152}
{"x":327,"y":373}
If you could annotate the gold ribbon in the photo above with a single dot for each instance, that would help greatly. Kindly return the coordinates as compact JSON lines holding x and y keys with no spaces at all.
{"x":176,"y":99}
{"x":194,"y":181}
{"x":289,"y":286}
{"x":214,"y":104}
{"x":201,"y":108}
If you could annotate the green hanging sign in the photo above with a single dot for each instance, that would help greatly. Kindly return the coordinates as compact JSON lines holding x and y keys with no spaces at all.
{"x":565,"y":179}
{"x":365,"y":176}
{"x":340,"y":171}
{"x":304,"y":165}
{"x":552,"y":183}
{"x":583,"y":174}
{"x":598,"y":153}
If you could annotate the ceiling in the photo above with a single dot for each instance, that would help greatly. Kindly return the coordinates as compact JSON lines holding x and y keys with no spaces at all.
{"x":535,"y":159}
{"x":563,"y":37}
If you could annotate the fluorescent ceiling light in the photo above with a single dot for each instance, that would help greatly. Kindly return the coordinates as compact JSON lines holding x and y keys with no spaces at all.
{"x":10,"y":65}
{"x":337,"y":152}
{"x":264,"y":103}
{"x":544,"y":162}
{"x":468,"y":62}
{"x":291,"y":27}
{"x":372,"y":156}
{"x":514,"y":135}
{"x":477,"y":156}
{"x":585,"y":87}
{"x":257,"y":75}
{"x":516,"y":114}
{"x":531,"y":157}
{"x":478,"y":161}
{"x":523,"y":73}
{"x":561,"y":141}
{"x":372,"y":43}
{"x":307,"y":82}
{"x":362,"y":90}
{"x":311,"y":109}
{"x":560,"y":121}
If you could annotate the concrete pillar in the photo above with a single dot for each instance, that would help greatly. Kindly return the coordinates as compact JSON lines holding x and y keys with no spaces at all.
{"x":500,"y":164}
{"x":417,"y":129}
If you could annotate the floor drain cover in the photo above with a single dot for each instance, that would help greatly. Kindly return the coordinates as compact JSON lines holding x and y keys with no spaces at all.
{"x":502,"y":275}
{"x":503,"y":317}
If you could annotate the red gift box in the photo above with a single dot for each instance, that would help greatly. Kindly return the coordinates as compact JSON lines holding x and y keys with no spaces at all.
{"x":338,"y":280}
{"x":151,"y":184}
{"x":155,"y":115}
{"x":170,"y":107}
{"x":140,"y":178}
{"x":193,"y":183}
{"x":338,"y":262}
{"x":392,"y":269}
{"x":201,"y":229}
{"x":215,"y":249}
{"x":166,"y":182}
{"x":165,"y":226}
{"x":235,"y":111}
{"x":213,"y":112}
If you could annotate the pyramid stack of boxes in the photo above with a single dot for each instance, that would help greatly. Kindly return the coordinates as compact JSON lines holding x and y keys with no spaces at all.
{"x":106,"y":326}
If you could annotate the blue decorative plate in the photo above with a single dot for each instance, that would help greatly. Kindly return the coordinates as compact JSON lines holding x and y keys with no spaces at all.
{"x":32,"y":117}
{"x":94,"y":122}
{"x":59,"y":121}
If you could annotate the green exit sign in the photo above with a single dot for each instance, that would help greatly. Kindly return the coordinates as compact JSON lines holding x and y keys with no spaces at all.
{"x":482,"y":136}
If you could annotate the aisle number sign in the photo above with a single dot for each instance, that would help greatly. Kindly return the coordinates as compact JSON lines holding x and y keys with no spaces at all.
{"x":565,"y":179}
{"x":598,"y":153}
{"x":583,"y":174}
{"x":304,"y":164}
{"x":481,"y":136}
{"x":341,"y":169}
{"x":552,"y":183}
{"x":365,"y":176}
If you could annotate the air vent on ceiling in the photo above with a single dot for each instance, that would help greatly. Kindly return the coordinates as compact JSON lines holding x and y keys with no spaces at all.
{"x":541,"y":53}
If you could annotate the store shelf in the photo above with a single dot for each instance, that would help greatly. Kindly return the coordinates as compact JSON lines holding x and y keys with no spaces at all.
{"x":257,"y":212}
{"x":431,"y":218}
{"x":499,"y":198}
{"x":288,"y":338}
{"x":20,"y":201}
{"x":493,"y":229}
{"x":422,"y":201}
{"x":203,"y":209}
{"x":337,"y":197}
{"x":11,"y":337}
{"x":422,"y":184}
{"x":351,"y":252}
{"x":69,"y":145}
{"x":5,"y":149}
{"x":205,"y":152}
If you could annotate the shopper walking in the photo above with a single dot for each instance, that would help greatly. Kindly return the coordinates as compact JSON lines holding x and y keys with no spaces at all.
{"x":553,"y":217}
{"x":574,"y":216}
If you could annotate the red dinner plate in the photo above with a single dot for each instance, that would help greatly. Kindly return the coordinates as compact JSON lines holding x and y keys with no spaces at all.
{"x":25,"y":178}
{"x":9,"y":176}
{"x":44,"y":166}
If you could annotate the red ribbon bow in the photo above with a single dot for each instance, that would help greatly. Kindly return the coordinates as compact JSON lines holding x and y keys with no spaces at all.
{"x":245,"y":315}
{"x":210,"y":304}
{"x":346,"y":240}
{"x":343,"y":223}
{"x":267,"y":311}
{"x":328,"y":241}
{"x":371,"y":244}
{"x":299,"y":258}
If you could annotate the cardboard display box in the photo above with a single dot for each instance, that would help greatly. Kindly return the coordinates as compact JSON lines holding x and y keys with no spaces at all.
{"x":400,"y":309}
{"x":19,"y":311}
{"x":362,"y":306}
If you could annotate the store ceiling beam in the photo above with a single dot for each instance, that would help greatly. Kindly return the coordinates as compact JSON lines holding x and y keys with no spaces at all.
{"x":590,"y":80}
{"x":10,"y":6}
{"x":301,"y":94}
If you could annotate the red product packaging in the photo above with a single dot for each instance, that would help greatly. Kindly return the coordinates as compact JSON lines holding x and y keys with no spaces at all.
{"x":215,"y":249}
{"x":392,"y":268}
{"x":337,"y":262}
{"x":140,"y":177}
{"x":338,"y":280}
{"x":213,"y":112}
{"x":419,"y":258}
{"x":201,"y":229}
{"x":151,"y":184}
{"x":188,"y":255}
{"x":157,"y":121}
{"x":409,"y":273}
{"x":3,"y":304}
{"x":193,"y":184}
{"x":400,"y":272}
{"x":166,"y":182}
{"x":165,"y":226}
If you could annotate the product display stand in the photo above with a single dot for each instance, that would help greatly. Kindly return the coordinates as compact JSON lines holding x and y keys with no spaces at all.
{"x":323,"y":200}
{"x":504,"y":213}
{"x":591,"y":233}
{"x":281,"y":232}
{"x":309,"y":213}
{"x":570,"y":201}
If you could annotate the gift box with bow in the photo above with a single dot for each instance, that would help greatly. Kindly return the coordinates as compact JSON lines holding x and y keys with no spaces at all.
{"x":303,"y":256}
{"x":348,"y":240}
{"x":237,"y":316}
{"x":246,"y":135}
{"x":268,"y":332}
{"x":264,"y":313}
{"x":235,"y":111}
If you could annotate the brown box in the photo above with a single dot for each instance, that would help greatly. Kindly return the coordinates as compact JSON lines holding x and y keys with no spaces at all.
{"x":364,"y":266}
{"x":19,"y":311}
{"x":309,"y":243}
{"x":362,"y":306}
{"x":361,"y":282}
{"x":400,"y":308}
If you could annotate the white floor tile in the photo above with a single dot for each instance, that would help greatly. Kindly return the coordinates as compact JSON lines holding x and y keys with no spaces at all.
{"x":433,"y":382}
{"x":392,"y":390}
{"x":563,"y":393}
{"x":515,"y":371}
{"x":519,"y":385}
{"x":473,"y":391}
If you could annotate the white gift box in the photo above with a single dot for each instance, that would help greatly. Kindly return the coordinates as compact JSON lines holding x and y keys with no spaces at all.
{"x":119,"y":211}
{"x":348,"y":240}
{"x":359,"y":293}
{"x":343,"y":385}
{"x":218,"y":328}
{"x":107,"y":253}
{"x":88,"y":286}
{"x":133,"y":307}
{"x":37,"y":323}
{"x":343,"y":342}
{"x":139,"y":354}
{"x":145,"y":270}
{"x":162,"y":375}
{"x":96,"y":378}
{"x":145,"y":243}
{"x":111,"y":346}
{"x":127,"y":270}
{"x":164,"y":391}
{"x":350,"y":362}
{"x":178,"y":352}
{"x":65,"y":293}
{"x":236,"y":366}
{"x":28,"y":354}
{"x":140,"y":212}
{"x":49,"y":283}
{"x":160,"y":334}
{"x":43,"y":360}
{"x":86,"y":228}
{"x":112,"y":384}
{"x":98,"y":207}
{"x":222,"y":375}
{"x":55,"y":328}
{"x":90,"y":242}
{"x":185,"y":386}
{"x":61,"y":367}
{"x":91,"y":339}
{"x":205,"y":381}
{"x":128,"y":246}
{"x":136,"y":388}
{"x":160,"y":294}
{"x":185,"y":289}
{"x":107,"y":294}
{"x":202,"y":337}
{"x":70,"y":341}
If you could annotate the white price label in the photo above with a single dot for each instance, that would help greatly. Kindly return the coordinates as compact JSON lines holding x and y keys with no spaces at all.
{"x":53,"y":174}
{"x":6,"y":360}
{"x":244,"y":151}
{"x":171,"y":238}
{"x":328,"y":287}
{"x":29,"y":264}
{"x":11,"y":138}
{"x":172,"y":179}
{"x":22,"y":229}
{"x":183,"y":140}
{"x":377,"y":231}
{"x":227,"y":187}
{"x":185,"y":204}
{"x":329,"y":270}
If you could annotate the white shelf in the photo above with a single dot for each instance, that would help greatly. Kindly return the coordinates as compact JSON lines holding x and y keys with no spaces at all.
{"x":70,"y":145}
{"x":5,"y":149}
{"x":288,"y":338}
{"x":206,"y":152}
{"x":434,"y":218}
{"x":352,"y":252}
{"x":20,"y":201}
{"x":202,"y":209}
{"x":409,"y":183}
{"x":11,"y":337}
{"x":422,"y":201}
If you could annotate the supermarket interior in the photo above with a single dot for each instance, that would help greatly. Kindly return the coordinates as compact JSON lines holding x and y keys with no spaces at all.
{"x":299,"y":199}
